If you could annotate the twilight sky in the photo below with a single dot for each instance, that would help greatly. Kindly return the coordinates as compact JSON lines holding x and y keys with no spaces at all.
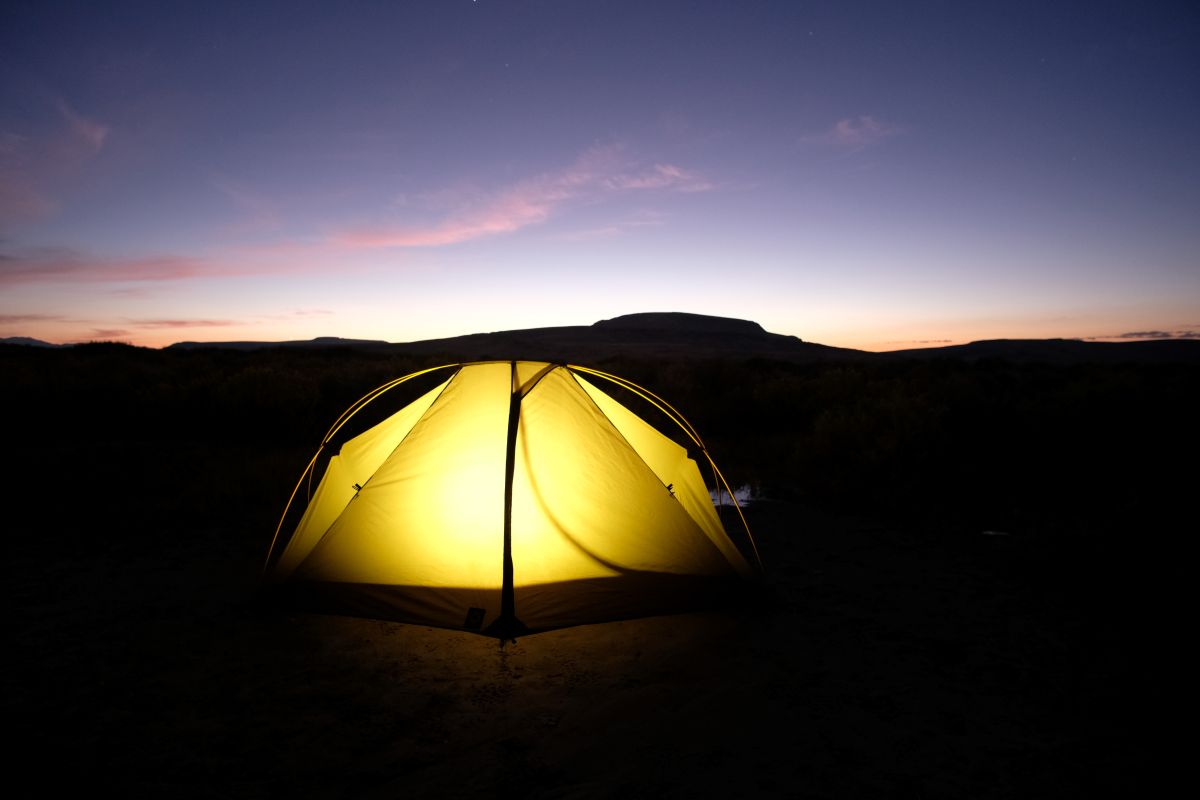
{"x":873,"y":175}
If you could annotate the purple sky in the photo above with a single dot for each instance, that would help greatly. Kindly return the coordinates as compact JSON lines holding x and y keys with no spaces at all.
{"x":873,"y":175}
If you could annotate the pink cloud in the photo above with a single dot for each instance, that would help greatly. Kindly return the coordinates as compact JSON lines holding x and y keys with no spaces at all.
{"x":22,"y":319}
{"x":919,"y":341}
{"x":597,"y":172}
{"x":156,"y":324}
{"x":662,"y":176}
{"x":55,"y":265}
{"x":137,"y":325}
{"x":89,"y":132}
{"x":505,"y":214}
{"x":60,"y":264}
{"x":855,"y":133}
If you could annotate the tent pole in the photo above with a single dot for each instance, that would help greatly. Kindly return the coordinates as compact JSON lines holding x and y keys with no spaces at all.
{"x":507,"y":626}
{"x":507,"y":605}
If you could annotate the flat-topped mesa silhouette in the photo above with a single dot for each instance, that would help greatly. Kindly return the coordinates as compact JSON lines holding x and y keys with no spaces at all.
{"x":681,"y":322}
{"x":674,"y":335}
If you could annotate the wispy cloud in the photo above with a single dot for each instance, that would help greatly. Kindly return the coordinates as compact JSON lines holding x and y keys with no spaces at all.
{"x":598,"y":172}
{"x":58,"y":264}
{"x":137,"y":325}
{"x":920,"y":341}
{"x":1176,"y":334}
{"x":110,"y":333}
{"x":160,"y":324}
{"x":645,"y":219}
{"x":32,"y":166}
{"x":660,"y":176}
{"x":465,"y":215}
{"x":89,"y":132}
{"x":24,"y":319}
{"x":854,"y":133}
{"x":257,"y":212}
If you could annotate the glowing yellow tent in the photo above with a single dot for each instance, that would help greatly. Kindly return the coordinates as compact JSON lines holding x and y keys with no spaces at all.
{"x":512,"y":497}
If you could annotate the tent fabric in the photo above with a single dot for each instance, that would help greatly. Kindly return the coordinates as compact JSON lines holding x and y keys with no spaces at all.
{"x":603,"y":517}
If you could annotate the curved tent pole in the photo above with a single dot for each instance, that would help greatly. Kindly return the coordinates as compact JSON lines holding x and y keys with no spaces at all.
{"x":286,"y":508}
{"x":678,"y":418}
{"x":372,"y":395}
{"x":363,"y":402}
{"x":650,"y":397}
{"x":355,"y":407}
{"x":738,"y":507}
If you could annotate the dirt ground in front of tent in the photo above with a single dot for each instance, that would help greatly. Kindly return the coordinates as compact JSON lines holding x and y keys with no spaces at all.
{"x":884,"y":663}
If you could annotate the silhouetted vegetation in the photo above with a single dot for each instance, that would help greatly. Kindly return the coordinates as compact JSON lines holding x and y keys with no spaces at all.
{"x":983,"y":445}
{"x":989,"y":445}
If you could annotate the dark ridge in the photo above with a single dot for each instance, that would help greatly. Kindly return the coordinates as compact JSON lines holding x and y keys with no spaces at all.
{"x":320,"y":341}
{"x":684,"y":336}
{"x":1062,"y":351}
{"x":672,"y":335}
{"x":28,"y":341}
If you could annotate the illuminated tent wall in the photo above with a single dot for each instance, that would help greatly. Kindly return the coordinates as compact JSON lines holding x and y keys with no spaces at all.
{"x":511,"y":498}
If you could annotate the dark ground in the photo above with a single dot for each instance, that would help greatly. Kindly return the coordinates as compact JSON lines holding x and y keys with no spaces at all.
{"x":893,"y":658}
{"x":887,"y":664}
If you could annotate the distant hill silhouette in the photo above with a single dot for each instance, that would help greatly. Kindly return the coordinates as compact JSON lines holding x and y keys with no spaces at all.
{"x":678,"y":335}
{"x":320,"y":341}
{"x":658,"y":335}
{"x":1062,"y":351}
{"x":652,"y":335}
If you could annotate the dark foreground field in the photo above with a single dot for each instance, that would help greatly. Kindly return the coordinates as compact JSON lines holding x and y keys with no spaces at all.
{"x":892,"y":658}
{"x":887,"y":665}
